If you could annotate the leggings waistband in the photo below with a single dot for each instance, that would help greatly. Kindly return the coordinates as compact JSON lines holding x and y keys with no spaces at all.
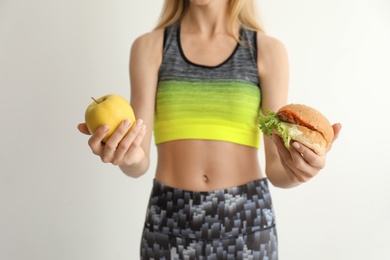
{"x":212,"y":214}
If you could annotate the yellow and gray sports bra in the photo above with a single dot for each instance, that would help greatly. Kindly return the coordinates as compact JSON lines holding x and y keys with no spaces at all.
{"x":208,"y":102}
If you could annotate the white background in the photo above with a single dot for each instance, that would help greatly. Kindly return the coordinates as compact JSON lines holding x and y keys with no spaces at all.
{"x":58,"y":201}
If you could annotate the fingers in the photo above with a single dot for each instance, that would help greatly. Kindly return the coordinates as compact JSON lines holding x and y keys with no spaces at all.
{"x":125,"y":140}
{"x":127,"y":149}
{"x":118,"y":144}
{"x":302,"y":152}
{"x":303,"y":163}
{"x":112,"y":143}
{"x":95,"y":142}
{"x":83,"y":128}
{"x":133,"y":139}
{"x":307,"y":163}
{"x":122,"y":146}
{"x":300,"y":162}
{"x":336,"y":129}
{"x":288,"y":160}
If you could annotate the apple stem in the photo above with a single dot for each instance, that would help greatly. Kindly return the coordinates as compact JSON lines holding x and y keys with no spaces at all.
{"x":95,"y":100}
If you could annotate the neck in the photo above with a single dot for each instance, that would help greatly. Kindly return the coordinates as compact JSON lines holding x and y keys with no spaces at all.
{"x":209,"y":19}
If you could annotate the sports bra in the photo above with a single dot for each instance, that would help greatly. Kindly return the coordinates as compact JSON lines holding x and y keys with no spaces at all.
{"x":208,"y":102}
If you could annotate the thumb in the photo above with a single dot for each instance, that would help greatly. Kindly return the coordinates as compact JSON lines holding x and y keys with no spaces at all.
{"x":83,"y":128}
{"x":336,"y":130}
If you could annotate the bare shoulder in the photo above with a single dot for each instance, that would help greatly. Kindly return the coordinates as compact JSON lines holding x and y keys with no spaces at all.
{"x":269,"y":45}
{"x":150,"y":38}
{"x":146,"y":50}
{"x":150,"y":42}
{"x":272,"y":53}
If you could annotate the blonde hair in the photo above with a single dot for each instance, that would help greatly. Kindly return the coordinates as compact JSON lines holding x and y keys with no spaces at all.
{"x":242,"y":12}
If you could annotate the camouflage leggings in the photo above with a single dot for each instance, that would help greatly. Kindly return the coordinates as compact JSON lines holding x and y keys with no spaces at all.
{"x":235,"y":223}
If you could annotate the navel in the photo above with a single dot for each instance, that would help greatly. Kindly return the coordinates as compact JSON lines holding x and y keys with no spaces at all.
{"x":205,"y":178}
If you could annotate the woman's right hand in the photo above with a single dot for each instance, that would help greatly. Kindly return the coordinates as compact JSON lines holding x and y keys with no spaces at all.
{"x":120,"y":149}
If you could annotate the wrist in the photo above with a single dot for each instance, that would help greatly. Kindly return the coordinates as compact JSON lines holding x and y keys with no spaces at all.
{"x":136,"y":170}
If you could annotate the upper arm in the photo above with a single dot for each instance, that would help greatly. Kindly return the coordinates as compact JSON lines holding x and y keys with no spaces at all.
{"x":273,"y":72}
{"x":145,"y":60}
{"x":274,"y":80}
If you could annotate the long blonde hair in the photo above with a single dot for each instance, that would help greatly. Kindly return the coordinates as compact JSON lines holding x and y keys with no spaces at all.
{"x":242,"y":12}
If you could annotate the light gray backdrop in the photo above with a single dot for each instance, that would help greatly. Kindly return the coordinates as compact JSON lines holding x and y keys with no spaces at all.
{"x":58,"y":201}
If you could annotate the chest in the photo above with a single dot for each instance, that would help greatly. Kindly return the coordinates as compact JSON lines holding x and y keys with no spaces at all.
{"x":207,"y":51}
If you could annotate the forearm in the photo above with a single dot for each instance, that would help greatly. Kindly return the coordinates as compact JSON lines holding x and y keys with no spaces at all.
{"x":278,"y":173}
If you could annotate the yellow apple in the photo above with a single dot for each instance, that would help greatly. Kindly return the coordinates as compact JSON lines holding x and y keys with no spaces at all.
{"x":110,"y":110}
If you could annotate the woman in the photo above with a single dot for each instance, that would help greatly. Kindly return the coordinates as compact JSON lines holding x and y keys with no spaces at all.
{"x":199,"y":78}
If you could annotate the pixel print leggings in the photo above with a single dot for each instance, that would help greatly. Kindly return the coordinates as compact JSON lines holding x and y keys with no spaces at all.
{"x":235,"y":223}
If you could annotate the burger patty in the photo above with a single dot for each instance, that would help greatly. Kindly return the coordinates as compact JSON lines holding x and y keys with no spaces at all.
{"x":290,"y":117}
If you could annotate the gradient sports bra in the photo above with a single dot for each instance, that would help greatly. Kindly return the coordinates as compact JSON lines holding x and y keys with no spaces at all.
{"x":208,"y":102}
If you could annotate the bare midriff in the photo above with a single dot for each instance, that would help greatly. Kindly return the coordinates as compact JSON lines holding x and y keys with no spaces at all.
{"x":203,"y":165}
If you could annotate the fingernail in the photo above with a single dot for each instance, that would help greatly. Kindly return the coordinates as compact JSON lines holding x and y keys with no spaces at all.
{"x":126,"y":123}
{"x":296,"y":145}
{"x":105,"y":128}
{"x":143,"y":128}
{"x":139,"y":122}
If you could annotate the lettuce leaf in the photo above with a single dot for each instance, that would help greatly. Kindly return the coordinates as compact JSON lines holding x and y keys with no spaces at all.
{"x":269,"y":123}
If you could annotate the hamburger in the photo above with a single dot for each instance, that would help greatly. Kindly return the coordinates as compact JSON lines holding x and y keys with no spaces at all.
{"x":300,"y":123}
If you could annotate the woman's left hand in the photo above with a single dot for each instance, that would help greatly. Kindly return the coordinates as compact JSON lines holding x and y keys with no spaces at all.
{"x":301,"y":163}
